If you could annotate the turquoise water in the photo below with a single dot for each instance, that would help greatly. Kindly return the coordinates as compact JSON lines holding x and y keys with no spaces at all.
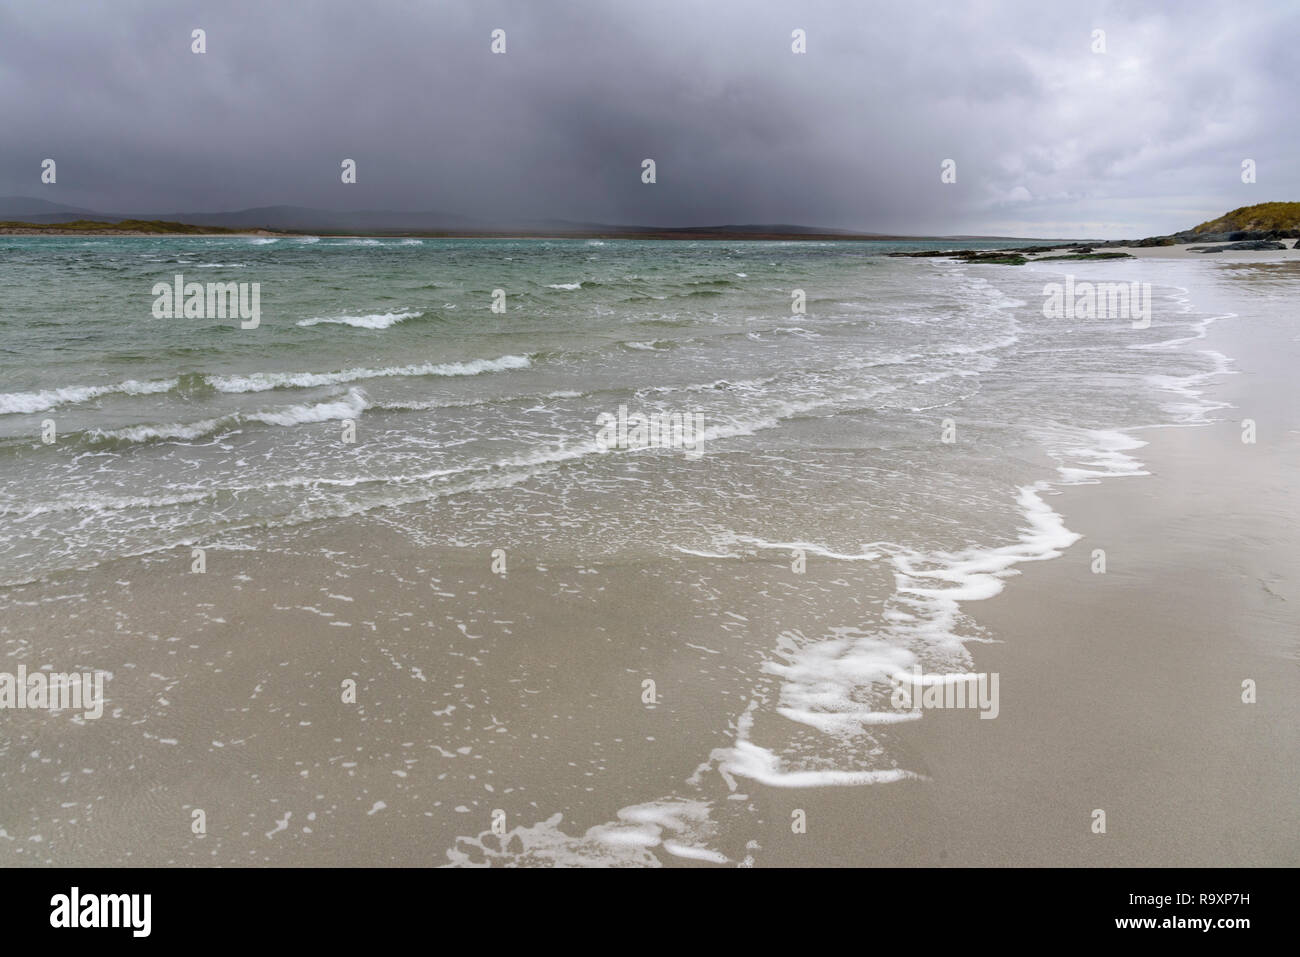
{"x":172,"y":431}
{"x":904,"y":435}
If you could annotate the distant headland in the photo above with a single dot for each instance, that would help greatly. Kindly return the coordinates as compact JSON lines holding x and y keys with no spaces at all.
{"x":1262,"y":226}
{"x":1259,"y":228}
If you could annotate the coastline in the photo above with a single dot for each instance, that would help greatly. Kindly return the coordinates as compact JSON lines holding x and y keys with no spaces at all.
{"x":1183,"y":252}
{"x":683,"y":234}
{"x":1122,"y":691}
{"x":1119,"y":691}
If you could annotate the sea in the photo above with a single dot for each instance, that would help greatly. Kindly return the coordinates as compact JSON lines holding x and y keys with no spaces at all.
{"x":874,"y":446}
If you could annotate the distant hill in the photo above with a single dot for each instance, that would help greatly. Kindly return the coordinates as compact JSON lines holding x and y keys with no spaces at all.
{"x":41,"y":210}
{"x":303,"y":219}
{"x":306,"y":219}
{"x":80,"y":226}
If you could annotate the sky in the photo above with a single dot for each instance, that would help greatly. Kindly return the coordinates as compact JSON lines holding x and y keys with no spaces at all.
{"x":1050,"y":137}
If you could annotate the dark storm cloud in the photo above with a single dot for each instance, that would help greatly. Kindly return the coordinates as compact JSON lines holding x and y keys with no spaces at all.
{"x":1049,"y":137}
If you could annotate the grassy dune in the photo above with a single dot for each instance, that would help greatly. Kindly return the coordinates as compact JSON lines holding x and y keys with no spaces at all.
{"x":1260,"y":217}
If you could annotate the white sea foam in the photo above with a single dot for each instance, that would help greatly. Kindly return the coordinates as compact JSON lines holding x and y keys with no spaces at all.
{"x":183,"y":431}
{"x":867,"y":554}
{"x":28,"y":402}
{"x":681,"y":827}
{"x":746,"y":759}
{"x":1001,"y":342}
{"x":262,"y":381}
{"x":350,"y":406}
{"x":429,"y":406}
{"x":1096,"y":454}
{"x":81,"y":501}
{"x":565,"y":285}
{"x":346,"y":407}
{"x":838,"y":683}
{"x":380,"y":320}
{"x":1192,"y":407}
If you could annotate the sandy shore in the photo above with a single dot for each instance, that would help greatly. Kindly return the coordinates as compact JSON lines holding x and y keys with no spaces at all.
{"x":1123,"y":691}
{"x":476,"y":693}
{"x":1185,"y":252}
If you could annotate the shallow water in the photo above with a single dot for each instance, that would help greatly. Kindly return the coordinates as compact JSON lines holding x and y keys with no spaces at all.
{"x":823,"y":448}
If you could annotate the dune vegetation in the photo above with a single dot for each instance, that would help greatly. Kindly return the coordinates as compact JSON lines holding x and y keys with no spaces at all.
{"x":1262,"y":217}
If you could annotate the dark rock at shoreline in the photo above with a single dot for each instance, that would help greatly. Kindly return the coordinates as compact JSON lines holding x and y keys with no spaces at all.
{"x":1004,"y":257}
{"x":1001,"y":258}
{"x":1089,"y":255}
{"x":1259,"y":244}
{"x":1250,"y":245}
{"x":1239,"y":236}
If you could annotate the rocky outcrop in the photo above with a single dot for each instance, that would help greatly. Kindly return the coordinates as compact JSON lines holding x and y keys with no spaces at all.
{"x":1249,"y":245}
{"x":1238,"y":236}
{"x":1001,"y":257}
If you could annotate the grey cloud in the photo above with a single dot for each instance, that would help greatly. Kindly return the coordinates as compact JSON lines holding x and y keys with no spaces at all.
{"x":851,"y":134}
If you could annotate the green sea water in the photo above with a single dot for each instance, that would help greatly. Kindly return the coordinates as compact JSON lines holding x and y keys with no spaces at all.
{"x":881,"y":440}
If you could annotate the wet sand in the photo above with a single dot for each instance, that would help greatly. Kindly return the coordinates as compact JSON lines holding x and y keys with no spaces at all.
{"x":476,"y":692}
{"x":1122,"y":691}
{"x":1184,"y":252}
